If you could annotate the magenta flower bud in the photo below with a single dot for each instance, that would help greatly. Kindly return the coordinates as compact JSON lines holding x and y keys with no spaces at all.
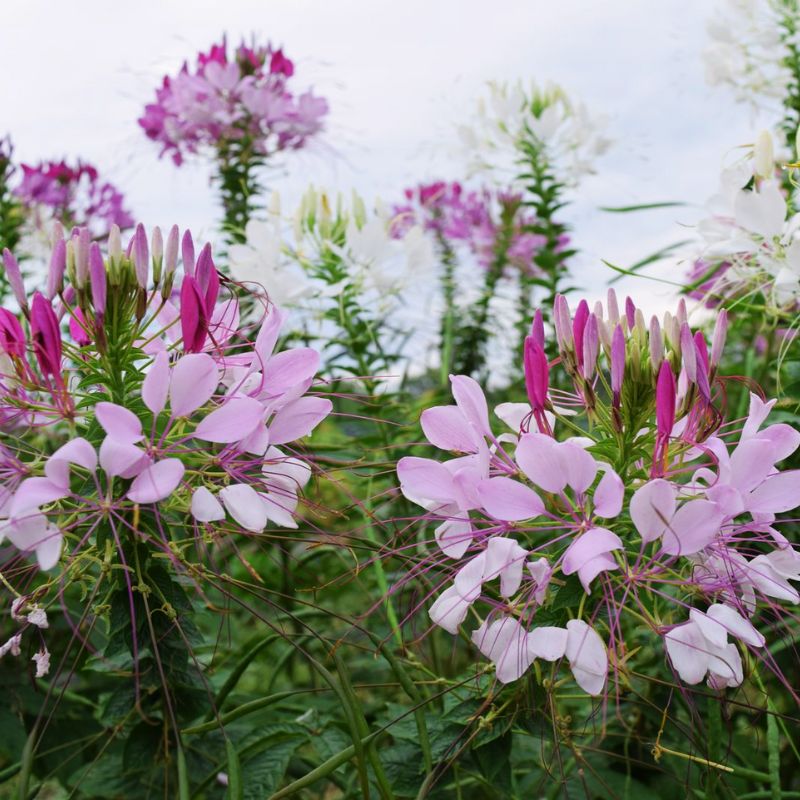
{"x":665,"y":401}
{"x":14,"y":276}
{"x":563,"y":323}
{"x":97,"y":278}
{"x":187,"y":252}
{"x":194,"y":320}
{"x":58,"y":265}
{"x":204,"y":268}
{"x":537,"y":373}
{"x":212,"y":291}
{"x":141,"y":256}
{"x":630,"y":313}
{"x":578,"y":327}
{"x":171,"y":251}
{"x":78,"y":329}
{"x":681,"y":313}
{"x":688,"y":353}
{"x":718,"y":339}
{"x":702,"y":348}
{"x":617,"y":361}
{"x":46,"y":336}
{"x":537,"y":328}
{"x":80,"y":243}
{"x":12,"y":336}
{"x":613,"y":308}
{"x":656,"y":344}
{"x":591,"y":346}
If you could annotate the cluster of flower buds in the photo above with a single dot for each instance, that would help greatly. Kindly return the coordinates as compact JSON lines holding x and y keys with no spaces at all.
{"x":686,"y":542}
{"x":152,"y":416}
{"x":623,"y":368}
{"x":228,"y":99}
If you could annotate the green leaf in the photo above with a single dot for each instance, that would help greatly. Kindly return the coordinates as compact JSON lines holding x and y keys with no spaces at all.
{"x":641,"y":207}
{"x":235,"y":786}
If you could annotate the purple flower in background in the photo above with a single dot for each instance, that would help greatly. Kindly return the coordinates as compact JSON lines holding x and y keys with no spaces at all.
{"x":243,"y":97}
{"x":475,"y":219}
{"x":76,"y":195}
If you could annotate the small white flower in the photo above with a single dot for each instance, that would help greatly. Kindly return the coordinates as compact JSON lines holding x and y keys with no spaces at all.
{"x":12,"y":645}
{"x":42,"y":659}
{"x":38,"y":616}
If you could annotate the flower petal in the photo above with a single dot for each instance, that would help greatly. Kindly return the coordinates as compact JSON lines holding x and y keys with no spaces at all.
{"x":688,"y":652}
{"x":587,"y":546}
{"x":454,"y":536}
{"x":298,"y":419}
{"x":235,"y":419}
{"x":424,"y":478}
{"x":447,"y":428}
{"x":539,"y":458}
{"x":156,"y":383}
{"x":504,"y":642}
{"x":245,"y":505}
{"x":206,"y":507}
{"x":509,"y":500}
{"x":608,"y":495}
{"x":587,"y":656}
{"x":195,"y":378}
{"x":548,"y":642}
{"x":119,"y":422}
{"x":76,"y":451}
{"x":652,"y":508}
{"x":449,"y":610}
{"x":694,"y":526}
{"x":777,"y":494}
{"x":35,"y":492}
{"x":121,"y":458}
{"x":157,"y":481}
{"x":505,"y":558}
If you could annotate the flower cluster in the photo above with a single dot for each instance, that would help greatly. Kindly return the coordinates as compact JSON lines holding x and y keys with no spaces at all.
{"x":543,"y":117}
{"x":242,"y":98}
{"x":136,"y":409}
{"x":72,"y":195}
{"x":748,"y":50}
{"x":488,"y":224}
{"x":749,"y":241}
{"x":653,"y":511}
{"x":329,"y":244}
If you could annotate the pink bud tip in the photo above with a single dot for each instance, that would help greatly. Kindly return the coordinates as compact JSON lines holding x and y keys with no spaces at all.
{"x":537,"y":374}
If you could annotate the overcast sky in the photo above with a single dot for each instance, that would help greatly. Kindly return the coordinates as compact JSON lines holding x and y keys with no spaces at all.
{"x":398,"y":76}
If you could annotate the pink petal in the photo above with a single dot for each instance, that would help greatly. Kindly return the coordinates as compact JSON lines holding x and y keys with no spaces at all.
{"x":471,"y":400}
{"x":580,"y":466}
{"x":590,"y":569}
{"x":449,"y":610}
{"x":121,"y":458}
{"x":119,"y":422}
{"x":469,"y":579}
{"x":266,"y":339}
{"x":424,"y":478}
{"x":608,"y":495}
{"x":285,"y":471}
{"x":280,"y":507}
{"x":548,"y":642}
{"x":758,"y":412}
{"x":454,"y":536}
{"x":206,"y":507}
{"x":298,"y":419}
{"x":694,"y":526}
{"x":195,"y":378}
{"x":255,"y":443}
{"x":509,"y":500}
{"x":156,"y":383}
{"x":245,"y":506}
{"x":504,"y":557}
{"x":652,"y":508}
{"x":505,"y":643}
{"x":539,"y":458}
{"x":587,"y":546}
{"x":688,"y":652}
{"x":35,"y":492}
{"x":447,"y":428}
{"x":35,"y":533}
{"x":784,"y":438}
{"x":232,"y":421}
{"x":587,"y":656}
{"x":735,"y":624}
{"x":289,"y":368}
{"x":750,"y":463}
{"x":76,"y":451}
{"x":777,"y":494}
{"x":157,"y":481}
